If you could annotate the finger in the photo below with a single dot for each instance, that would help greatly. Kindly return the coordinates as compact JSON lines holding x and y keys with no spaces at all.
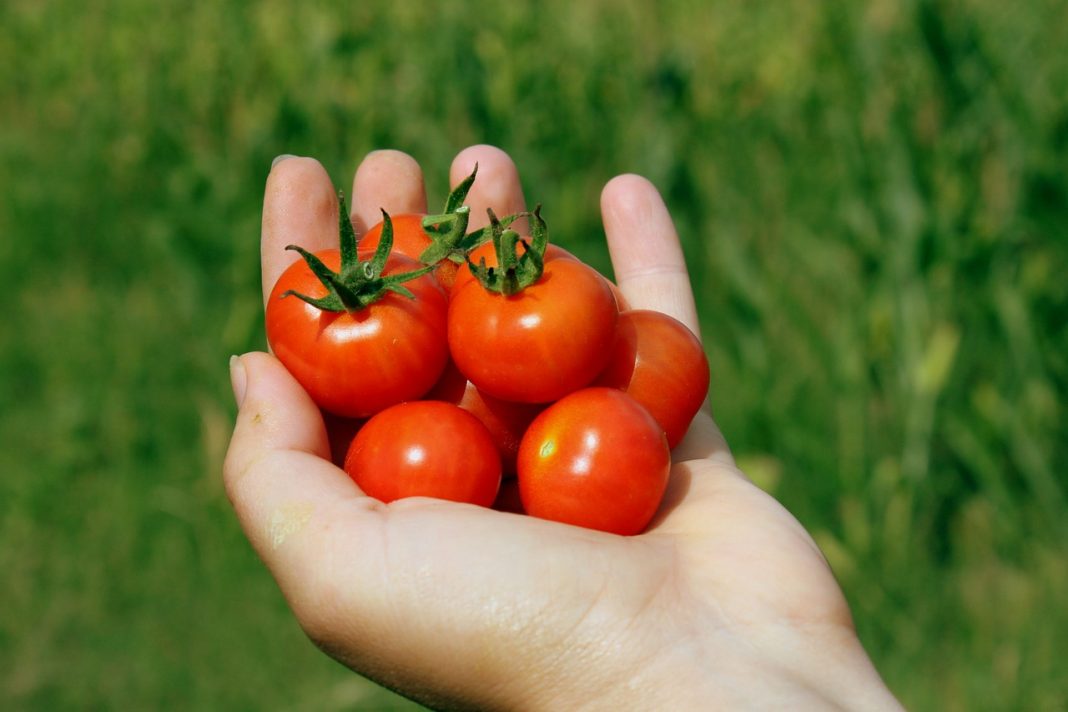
{"x":496,"y":186}
{"x":646,"y":256}
{"x":277,"y":427}
{"x":299,"y":207}
{"x":386,"y":180}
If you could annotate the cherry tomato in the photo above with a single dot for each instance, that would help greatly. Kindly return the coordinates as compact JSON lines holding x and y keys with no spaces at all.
{"x":596,"y":459}
{"x":425,"y":449}
{"x":354,"y":364}
{"x":661,"y":364}
{"x":410,"y":240}
{"x":539,"y":344}
{"x":506,"y":421}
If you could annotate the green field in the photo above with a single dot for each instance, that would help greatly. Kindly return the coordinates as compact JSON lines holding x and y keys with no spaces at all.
{"x":873,"y":199}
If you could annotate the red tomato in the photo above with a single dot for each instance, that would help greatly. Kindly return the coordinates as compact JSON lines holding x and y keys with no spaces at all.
{"x":506,"y":421}
{"x":539,"y":344}
{"x":661,"y":364}
{"x":354,"y":364}
{"x":410,"y":239}
{"x":596,"y":459}
{"x":425,"y":449}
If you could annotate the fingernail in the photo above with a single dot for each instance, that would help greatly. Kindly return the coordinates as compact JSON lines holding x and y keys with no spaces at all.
{"x":238,"y":378}
{"x":280,"y":158}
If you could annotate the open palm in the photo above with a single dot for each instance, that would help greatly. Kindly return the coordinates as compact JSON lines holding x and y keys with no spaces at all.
{"x":724,"y":600}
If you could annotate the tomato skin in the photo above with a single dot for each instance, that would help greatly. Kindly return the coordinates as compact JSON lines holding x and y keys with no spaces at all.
{"x":660,"y":363}
{"x":354,"y":365}
{"x":595,"y":459}
{"x":540,"y":344}
{"x":506,"y":421}
{"x":410,"y":240}
{"x":425,"y":449}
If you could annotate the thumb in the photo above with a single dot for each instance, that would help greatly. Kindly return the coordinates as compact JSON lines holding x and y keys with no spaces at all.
{"x":277,"y":471}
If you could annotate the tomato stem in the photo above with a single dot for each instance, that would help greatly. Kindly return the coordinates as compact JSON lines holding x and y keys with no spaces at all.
{"x":448,"y":229}
{"x":359,"y":283}
{"x":346,"y":234}
{"x":514,"y":272}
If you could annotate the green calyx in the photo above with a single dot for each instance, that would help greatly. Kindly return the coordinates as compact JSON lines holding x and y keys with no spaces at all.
{"x":448,"y":230}
{"x":514,"y":271}
{"x":359,"y":283}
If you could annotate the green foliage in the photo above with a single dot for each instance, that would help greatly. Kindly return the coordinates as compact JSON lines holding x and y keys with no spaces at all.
{"x":872,"y":196}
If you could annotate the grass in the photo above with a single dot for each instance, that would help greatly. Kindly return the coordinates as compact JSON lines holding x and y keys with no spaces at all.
{"x":874,"y":205}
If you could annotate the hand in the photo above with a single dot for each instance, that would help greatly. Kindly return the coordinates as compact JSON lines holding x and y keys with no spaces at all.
{"x":724,"y":602}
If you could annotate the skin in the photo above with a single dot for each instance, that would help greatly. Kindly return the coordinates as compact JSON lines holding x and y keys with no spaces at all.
{"x":725,"y":602}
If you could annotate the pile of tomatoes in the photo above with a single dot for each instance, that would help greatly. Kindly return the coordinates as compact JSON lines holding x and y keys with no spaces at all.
{"x":468,"y":359}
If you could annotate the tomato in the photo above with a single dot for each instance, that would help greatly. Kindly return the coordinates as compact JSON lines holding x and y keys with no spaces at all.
{"x":354,"y":364}
{"x":425,"y":449}
{"x":538,"y":344}
{"x":596,"y":459}
{"x":410,"y":240}
{"x":660,"y":363}
{"x":506,"y":421}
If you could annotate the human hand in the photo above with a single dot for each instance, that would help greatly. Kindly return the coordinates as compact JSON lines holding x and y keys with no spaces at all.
{"x":724,"y":601}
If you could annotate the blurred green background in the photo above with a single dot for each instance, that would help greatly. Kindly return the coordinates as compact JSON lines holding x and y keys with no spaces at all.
{"x":874,"y":204}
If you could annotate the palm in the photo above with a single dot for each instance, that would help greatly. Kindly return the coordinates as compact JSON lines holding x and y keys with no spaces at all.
{"x":423,"y":594}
